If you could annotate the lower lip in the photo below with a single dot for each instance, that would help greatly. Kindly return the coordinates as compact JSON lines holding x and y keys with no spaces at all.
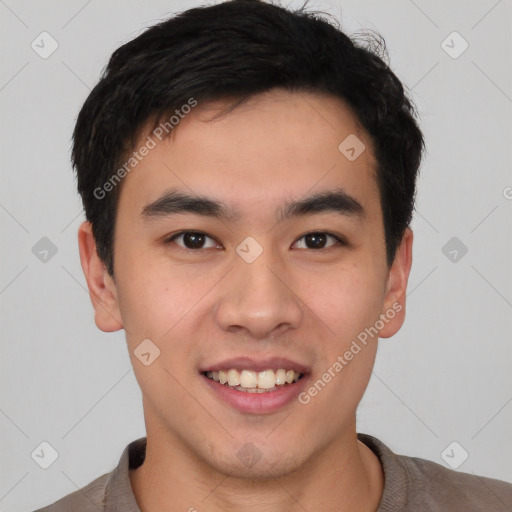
{"x":257,"y":403}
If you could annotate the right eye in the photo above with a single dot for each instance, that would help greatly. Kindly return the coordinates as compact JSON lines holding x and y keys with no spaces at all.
{"x":192,"y":240}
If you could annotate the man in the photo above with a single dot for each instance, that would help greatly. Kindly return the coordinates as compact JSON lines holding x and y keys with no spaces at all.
{"x":248,"y":177}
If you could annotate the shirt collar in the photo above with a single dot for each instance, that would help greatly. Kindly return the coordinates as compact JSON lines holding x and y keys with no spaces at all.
{"x":394,"y":494}
{"x":119,"y":495}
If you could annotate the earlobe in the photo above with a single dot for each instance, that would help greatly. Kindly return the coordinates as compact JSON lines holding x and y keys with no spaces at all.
{"x":102,"y":289}
{"x":393,"y":311}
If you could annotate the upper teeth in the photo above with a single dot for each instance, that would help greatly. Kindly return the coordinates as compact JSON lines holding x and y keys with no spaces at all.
{"x":266,"y":379}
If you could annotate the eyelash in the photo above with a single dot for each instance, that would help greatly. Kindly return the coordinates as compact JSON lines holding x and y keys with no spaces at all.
{"x":339,"y":240}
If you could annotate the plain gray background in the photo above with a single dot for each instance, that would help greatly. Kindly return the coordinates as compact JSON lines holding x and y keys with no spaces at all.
{"x":445,"y":377}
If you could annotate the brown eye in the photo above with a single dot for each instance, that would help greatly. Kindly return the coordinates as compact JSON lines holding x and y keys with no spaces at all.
{"x":318,"y":240}
{"x":193,"y":240}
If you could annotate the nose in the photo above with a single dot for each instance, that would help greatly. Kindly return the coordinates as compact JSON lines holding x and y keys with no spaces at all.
{"x":259,"y":299}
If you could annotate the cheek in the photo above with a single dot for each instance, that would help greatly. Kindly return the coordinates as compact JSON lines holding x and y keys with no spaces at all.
{"x":154,"y":307}
{"x":162,"y":301}
{"x":346,"y":299}
{"x":349,"y":306}
{"x":151,"y":304}
{"x":147,"y":288}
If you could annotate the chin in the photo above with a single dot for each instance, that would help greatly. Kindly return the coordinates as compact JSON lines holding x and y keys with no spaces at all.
{"x":258,"y":463}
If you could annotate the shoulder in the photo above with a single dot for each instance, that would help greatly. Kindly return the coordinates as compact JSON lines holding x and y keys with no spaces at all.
{"x":90,"y":498}
{"x":111,"y":491}
{"x":415,"y":484}
{"x":440,"y":488}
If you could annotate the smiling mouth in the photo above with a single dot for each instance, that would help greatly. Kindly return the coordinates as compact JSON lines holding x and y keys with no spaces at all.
{"x":249,"y":381}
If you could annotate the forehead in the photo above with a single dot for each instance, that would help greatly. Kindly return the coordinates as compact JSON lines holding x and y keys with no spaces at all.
{"x":275,"y":145}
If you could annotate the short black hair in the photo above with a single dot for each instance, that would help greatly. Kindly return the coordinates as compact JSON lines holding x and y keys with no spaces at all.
{"x":237,"y":49}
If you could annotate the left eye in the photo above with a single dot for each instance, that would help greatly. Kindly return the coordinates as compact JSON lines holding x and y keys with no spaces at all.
{"x":317,"y":240}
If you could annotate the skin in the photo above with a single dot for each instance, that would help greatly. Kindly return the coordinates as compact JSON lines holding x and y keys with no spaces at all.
{"x":293,"y":301}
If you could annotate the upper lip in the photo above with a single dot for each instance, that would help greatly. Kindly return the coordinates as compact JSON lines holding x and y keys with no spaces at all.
{"x":256,"y":364}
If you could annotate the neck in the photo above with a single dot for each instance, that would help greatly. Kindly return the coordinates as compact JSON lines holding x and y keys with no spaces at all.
{"x":344,"y":476}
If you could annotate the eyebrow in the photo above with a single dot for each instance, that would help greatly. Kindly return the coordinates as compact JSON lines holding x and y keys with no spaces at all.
{"x":331,"y":201}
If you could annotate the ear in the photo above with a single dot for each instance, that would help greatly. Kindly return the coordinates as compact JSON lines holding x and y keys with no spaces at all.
{"x":102,"y":288}
{"x":393,"y":309}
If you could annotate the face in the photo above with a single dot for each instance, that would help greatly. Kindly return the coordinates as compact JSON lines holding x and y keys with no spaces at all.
{"x":246,"y":279}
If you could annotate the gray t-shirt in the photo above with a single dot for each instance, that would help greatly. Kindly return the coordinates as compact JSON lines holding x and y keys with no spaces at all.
{"x":410,"y":485}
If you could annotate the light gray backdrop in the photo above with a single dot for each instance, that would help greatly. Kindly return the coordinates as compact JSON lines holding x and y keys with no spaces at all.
{"x":444,"y":378}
